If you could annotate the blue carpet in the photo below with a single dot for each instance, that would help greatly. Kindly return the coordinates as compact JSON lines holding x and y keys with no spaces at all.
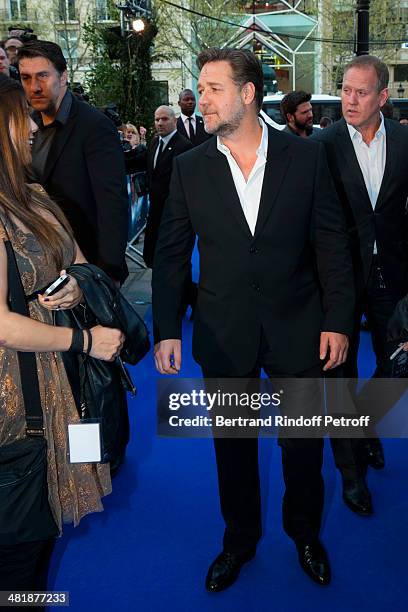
{"x":161,"y":528}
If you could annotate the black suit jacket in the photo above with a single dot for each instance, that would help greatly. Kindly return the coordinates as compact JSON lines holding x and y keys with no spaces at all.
{"x":292,"y":279}
{"x":158,"y":182}
{"x":85,"y":175}
{"x":200,"y":133}
{"x":387,"y":223}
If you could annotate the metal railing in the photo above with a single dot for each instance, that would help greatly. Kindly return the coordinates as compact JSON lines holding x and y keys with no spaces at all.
{"x":138,"y":211}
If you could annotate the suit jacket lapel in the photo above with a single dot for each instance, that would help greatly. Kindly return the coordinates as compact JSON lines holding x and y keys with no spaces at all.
{"x":167,"y":149}
{"x":277,"y":163}
{"x":353,"y":178}
{"x":391,"y":162}
{"x":60,"y":140}
{"x":150,"y":155}
{"x":221,"y":180}
{"x":182,"y":128}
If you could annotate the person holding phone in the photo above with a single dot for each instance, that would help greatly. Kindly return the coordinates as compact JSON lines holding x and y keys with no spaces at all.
{"x":44,"y":247}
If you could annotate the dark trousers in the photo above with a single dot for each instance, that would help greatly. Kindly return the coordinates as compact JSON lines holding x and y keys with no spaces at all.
{"x":24,"y":567}
{"x":377,"y":304}
{"x":238,"y":475}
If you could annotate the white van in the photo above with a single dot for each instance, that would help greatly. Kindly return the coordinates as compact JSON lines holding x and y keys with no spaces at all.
{"x":323,"y":106}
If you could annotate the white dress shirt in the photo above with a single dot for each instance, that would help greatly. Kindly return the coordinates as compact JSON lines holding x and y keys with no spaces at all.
{"x":249,"y":192}
{"x":186,"y":123}
{"x":371,"y":159}
{"x":165,"y":140}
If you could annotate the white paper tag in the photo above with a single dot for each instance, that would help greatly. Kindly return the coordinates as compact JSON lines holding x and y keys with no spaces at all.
{"x":84,"y":442}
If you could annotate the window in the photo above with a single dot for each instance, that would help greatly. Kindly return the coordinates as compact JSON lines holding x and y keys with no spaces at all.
{"x":401,"y":72}
{"x":18,"y":9}
{"x":67,"y":10}
{"x":103,"y":10}
{"x":68,"y":41}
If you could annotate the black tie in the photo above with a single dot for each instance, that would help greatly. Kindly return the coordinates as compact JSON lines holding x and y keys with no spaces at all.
{"x":159,"y":151}
{"x":191,"y":129}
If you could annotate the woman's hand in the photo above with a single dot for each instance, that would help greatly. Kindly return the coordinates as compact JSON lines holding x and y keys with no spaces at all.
{"x":142,"y":132}
{"x":106,"y":343}
{"x":67,"y":297}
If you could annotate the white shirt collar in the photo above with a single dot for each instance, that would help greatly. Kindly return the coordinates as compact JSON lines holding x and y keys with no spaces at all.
{"x":184,"y":117}
{"x":356,"y":134}
{"x":167,"y":138}
{"x":262,"y":150}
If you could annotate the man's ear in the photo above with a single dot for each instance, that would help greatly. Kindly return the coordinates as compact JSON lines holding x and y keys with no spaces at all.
{"x":248,"y":93}
{"x":64,"y":78}
{"x":290,"y":118}
{"x":384,"y":95}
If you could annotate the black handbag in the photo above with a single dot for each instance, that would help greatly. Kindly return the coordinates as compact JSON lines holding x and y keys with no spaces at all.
{"x":25,"y":513}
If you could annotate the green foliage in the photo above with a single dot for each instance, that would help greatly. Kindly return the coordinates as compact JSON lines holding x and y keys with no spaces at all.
{"x":121,"y":71}
{"x":182,"y":35}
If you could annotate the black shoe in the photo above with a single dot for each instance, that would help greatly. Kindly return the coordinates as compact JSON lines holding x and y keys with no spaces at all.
{"x":313,"y":560}
{"x":224,"y":571}
{"x":373,"y":453}
{"x":357,"y":496}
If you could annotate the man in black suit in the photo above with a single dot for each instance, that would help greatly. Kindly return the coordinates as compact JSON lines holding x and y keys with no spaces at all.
{"x":77,"y":158}
{"x":189,"y":124}
{"x":271,"y":234}
{"x":368,"y":160}
{"x":296,"y":110}
{"x":160,"y":155}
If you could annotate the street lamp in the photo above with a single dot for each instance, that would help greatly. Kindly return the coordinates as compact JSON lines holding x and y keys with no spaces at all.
{"x":138,"y":25}
{"x":400,"y":91}
{"x":133,"y":11}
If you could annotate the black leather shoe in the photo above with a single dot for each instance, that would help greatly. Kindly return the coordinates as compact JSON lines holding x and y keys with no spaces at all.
{"x":357,"y":496}
{"x":373,"y":453}
{"x":224,"y":571}
{"x":313,"y":560}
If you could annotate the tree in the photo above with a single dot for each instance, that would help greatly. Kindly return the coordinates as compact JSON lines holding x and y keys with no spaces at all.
{"x":182,"y":35}
{"x":121,"y":70}
{"x":67,"y":19}
{"x":338,"y":24}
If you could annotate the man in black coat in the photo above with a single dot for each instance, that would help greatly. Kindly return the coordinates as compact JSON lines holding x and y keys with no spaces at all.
{"x":77,"y":158}
{"x":189,"y":124}
{"x":271,"y":235}
{"x":160,"y":155}
{"x":368,"y":161}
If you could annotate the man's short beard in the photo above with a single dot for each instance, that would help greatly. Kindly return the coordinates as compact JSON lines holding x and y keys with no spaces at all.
{"x":229,"y":127}
{"x":304,"y":127}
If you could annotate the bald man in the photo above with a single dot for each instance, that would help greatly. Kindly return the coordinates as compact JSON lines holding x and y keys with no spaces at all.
{"x":167,"y":144}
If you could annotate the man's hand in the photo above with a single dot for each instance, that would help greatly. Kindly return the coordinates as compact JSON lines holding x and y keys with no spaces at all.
{"x":167,"y":356}
{"x":337,"y":345}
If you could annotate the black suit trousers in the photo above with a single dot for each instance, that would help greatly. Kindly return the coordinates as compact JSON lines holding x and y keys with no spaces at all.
{"x":24,"y":567}
{"x":238,"y":474}
{"x":377,"y":304}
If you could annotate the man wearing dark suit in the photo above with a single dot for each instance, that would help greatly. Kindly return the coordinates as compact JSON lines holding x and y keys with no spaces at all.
{"x":368,"y":161}
{"x":189,"y":124}
{"x":160,"y":155}
{"x":77,"y":158}
{"x":296,"y":109}
{"x":265,"y":252}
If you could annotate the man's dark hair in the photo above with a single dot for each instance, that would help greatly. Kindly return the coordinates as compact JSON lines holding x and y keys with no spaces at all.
{"x":245,"y":66}
{"x":44,"y":48}
{"x":184,"y":92}
{"x":325,"y":122}
{"x":367,"y":61}
{"x":291,"y":101}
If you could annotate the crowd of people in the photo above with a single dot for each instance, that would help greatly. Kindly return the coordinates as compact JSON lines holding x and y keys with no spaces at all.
{"x":300,"y":233}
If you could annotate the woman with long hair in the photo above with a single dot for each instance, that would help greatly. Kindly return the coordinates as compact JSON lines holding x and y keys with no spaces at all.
{"x":44,"y":246}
